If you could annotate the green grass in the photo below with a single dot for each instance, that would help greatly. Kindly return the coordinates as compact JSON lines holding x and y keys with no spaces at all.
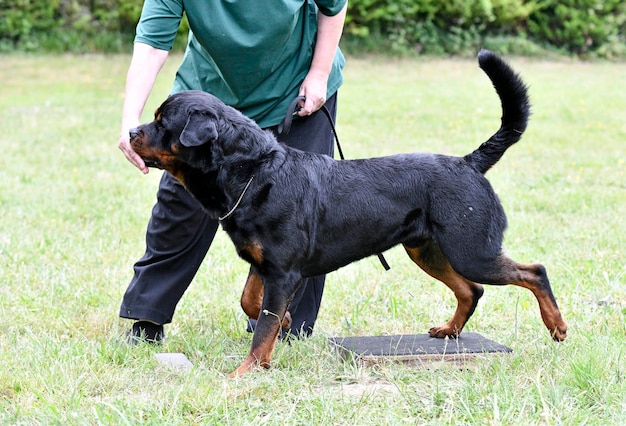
{"x":73,"y":215}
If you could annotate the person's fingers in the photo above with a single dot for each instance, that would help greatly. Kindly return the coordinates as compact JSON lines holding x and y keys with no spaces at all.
{"x":312,"y":103}
{"x":124,"y":145}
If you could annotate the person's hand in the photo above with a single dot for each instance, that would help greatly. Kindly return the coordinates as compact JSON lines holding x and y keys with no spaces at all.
{"x":142,"y":72}
{"x":313,"y":88}
{"x":135,"y":160}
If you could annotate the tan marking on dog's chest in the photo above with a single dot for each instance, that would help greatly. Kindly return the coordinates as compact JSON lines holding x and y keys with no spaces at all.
{"x":254,"y":250}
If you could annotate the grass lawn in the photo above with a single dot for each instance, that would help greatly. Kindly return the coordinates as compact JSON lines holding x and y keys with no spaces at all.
{"x":73,"y":216}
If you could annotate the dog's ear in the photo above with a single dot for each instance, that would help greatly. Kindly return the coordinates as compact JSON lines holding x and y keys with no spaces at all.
{"x":199,"y":130}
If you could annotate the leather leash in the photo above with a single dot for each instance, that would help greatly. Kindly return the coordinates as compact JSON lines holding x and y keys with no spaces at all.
{"x":285,"y":125}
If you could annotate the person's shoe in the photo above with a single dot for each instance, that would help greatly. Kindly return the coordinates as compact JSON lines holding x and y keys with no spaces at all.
{"x":145,"y":332}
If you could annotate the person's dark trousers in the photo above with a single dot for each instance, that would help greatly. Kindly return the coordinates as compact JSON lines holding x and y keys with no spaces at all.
{"x":179,"y":235}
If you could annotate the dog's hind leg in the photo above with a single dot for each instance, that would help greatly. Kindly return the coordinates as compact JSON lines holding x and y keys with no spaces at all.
{"x":535,"y":278}
{"x":429,"y":257}
{"x":252,"y":299}
{"x":504,"y":271}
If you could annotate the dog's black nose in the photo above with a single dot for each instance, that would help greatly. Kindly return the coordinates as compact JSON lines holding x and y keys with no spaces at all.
{"x":133,"y":133}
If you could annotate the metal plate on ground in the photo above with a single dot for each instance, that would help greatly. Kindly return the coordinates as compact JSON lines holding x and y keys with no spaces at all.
{"x":417,"y":349}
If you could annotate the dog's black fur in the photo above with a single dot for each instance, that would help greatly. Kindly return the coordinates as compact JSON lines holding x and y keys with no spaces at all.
{"x":293,"y":214}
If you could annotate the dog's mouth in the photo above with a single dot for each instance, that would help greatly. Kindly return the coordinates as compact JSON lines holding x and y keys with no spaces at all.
{"x":137,"y":146}
{"x":151,"y":162}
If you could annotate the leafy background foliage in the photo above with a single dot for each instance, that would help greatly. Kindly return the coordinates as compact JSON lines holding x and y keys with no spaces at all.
{"x":587,"y":28}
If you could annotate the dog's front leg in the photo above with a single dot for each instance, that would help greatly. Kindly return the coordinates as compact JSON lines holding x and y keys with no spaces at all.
{"x":263,"y":343}
{"x":252,"y":296}
{"x":252,"y":299}
{"x":276,"y":299}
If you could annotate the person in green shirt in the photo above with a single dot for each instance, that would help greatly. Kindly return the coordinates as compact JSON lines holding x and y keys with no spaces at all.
{"x":256,"y":56}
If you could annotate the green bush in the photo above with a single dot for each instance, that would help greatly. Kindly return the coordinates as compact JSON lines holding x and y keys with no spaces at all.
{"x":457,"y":26}
{"x":21,"y":20}
{"x":432,"y":26}
{"x":581,"y":27}
{"x":71,"y":25}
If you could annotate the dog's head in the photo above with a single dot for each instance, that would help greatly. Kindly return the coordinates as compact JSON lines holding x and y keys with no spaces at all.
{"x":196,"y":129}
{"x":182,"y":133}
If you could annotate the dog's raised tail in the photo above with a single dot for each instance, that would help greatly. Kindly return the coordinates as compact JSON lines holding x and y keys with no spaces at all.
{"x":515,"y":111}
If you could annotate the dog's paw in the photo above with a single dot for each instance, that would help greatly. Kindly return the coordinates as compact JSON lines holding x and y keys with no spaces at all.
{"x":559,"y":333}
{"x":445,"y":330}
{"x":249,"y":365}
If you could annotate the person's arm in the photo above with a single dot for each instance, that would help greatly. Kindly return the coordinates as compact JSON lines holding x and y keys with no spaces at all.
{"x":144,"y":67}
{"x":314,"y":86}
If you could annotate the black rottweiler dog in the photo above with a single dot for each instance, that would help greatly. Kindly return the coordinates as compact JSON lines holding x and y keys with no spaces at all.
{"x":293,"y":214}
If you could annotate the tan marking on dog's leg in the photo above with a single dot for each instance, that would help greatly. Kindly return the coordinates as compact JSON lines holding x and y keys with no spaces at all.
{"x":252,"y":299}
{"x":252,"y":296}
{"x":534,"y":277}
{"x":467,"y":292}
{"x":263,"y":344}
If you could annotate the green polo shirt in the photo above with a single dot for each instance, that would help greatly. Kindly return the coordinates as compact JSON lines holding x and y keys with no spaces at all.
{"x":252,"y":54}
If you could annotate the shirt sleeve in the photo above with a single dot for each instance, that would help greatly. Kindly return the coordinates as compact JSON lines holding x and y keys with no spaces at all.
{"x":330,"y":7}
{"x":159,"y":23}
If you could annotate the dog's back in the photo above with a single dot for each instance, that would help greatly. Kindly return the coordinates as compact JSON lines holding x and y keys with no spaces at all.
{"x":515,"y":111}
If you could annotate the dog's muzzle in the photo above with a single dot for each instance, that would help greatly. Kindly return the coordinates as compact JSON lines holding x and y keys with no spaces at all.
{"x":136,"y":144}
{"x":133,"y":133}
